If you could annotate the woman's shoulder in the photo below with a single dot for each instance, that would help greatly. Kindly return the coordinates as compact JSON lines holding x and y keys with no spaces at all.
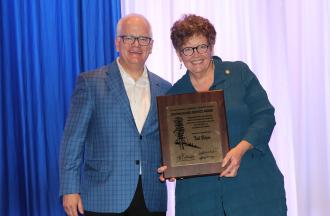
{"x":180,"y":86}
{"x":238,"y":69}
{"x":234,"y":65}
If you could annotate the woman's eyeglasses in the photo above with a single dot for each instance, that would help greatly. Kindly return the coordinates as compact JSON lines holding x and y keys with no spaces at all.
{"x":188,"y":51}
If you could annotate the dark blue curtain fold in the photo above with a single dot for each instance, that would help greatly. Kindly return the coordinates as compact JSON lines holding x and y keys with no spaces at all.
{"x":44,"y":46}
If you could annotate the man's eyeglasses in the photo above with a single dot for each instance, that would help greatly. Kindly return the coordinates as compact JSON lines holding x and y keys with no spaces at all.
{"x":188,"y":51}
{"x":129,"y":39}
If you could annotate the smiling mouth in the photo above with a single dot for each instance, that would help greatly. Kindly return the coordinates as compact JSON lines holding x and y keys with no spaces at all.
{"x":199,"y":61}
{"x":135,"y":52}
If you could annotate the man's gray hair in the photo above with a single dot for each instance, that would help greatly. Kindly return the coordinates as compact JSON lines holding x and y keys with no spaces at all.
{"x":130,"y":16}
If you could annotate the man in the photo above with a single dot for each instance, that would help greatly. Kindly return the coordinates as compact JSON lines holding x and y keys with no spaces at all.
{"x":110,"y":149}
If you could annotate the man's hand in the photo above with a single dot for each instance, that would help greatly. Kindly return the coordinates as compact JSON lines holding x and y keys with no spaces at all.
{"x":72,"y":202}
{"x":233,"y":159}
{"x":161,"y":170}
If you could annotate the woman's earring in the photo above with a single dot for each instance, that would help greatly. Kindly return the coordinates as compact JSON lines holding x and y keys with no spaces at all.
{"x":180,"y":65}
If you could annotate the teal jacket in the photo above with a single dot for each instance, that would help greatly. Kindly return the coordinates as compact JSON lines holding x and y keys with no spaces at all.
{"x":258,"y":188}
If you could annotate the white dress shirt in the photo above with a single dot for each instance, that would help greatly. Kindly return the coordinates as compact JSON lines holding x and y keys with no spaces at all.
{"x":138,"y":93}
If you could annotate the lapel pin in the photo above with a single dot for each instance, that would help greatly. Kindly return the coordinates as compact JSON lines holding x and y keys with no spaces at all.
{"x":227,"y":72}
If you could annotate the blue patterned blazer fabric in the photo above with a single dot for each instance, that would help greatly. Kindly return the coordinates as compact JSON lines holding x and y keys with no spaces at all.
{"x":101,"y":148}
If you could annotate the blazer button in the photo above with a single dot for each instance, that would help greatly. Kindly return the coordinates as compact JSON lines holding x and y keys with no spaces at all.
{"x":137,"y":162}
{"x":140,"y":137}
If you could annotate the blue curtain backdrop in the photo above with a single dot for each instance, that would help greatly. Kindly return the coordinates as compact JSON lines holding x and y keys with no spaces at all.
{"x":44,"y":46}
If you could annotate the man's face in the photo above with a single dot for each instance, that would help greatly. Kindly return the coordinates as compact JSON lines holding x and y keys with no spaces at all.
{"x":134,"y":53}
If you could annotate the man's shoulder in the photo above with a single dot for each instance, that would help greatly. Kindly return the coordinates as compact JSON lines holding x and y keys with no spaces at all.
{"x":157,"y":79}
{"x":100,"y":72}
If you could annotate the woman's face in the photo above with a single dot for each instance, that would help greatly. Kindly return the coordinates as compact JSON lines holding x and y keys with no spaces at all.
{"x":196,"y":54}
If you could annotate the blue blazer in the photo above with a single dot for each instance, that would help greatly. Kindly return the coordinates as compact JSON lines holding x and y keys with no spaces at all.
{"x":101,"y":149}
{"x":258,"y":188}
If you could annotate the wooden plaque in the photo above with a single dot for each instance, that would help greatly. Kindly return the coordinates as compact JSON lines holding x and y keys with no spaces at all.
{"x":193,"y":133}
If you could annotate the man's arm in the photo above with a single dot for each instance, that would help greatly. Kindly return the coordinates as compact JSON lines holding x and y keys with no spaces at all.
{"x":72,"y":146}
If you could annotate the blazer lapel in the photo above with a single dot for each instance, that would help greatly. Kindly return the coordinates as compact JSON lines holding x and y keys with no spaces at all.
{"x":154,"y":92}
{"x":116,"y":87}
{"x":221,"y":74}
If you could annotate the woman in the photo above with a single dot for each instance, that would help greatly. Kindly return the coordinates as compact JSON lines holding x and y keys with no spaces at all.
{"x":251,"y":184}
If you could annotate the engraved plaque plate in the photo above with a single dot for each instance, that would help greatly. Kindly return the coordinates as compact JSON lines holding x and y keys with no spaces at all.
{"x":193,"y":133}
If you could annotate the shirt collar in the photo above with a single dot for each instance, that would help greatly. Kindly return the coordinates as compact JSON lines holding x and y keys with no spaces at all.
{"x":126,"y":75}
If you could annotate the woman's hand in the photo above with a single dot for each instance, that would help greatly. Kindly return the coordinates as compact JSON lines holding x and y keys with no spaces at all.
{"x":232,"y":160}
{"x":161,"y":170}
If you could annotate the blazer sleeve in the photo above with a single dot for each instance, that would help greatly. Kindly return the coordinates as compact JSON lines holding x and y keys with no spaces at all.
{"x":262,"y":119}
{"x":72,"y":144}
